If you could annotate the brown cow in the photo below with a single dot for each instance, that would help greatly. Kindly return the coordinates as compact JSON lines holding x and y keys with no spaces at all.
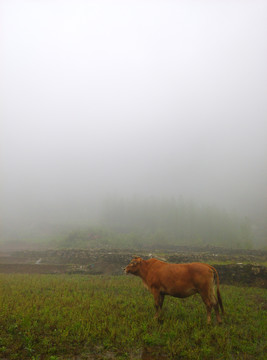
{"x":178,"y":280}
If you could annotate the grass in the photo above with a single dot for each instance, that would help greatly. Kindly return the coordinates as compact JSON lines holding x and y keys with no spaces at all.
{"x":56,"y":317}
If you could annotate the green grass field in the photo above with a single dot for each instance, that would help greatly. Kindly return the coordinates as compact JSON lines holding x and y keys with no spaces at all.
{"x":97,"y":317}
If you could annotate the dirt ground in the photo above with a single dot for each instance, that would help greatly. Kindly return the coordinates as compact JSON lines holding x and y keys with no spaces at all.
{"x":244,"y":267}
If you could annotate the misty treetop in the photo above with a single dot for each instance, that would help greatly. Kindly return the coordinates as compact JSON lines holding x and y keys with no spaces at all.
{"x":139,"y":223}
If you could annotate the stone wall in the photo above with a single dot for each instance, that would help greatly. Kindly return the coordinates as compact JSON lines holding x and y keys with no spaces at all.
{"x":112,"y":262}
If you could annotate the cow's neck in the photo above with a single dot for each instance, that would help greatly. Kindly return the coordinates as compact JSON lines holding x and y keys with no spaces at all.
{"x":144,"y":271}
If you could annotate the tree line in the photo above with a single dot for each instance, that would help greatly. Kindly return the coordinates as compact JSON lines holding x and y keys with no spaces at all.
{"x":164,"y":222}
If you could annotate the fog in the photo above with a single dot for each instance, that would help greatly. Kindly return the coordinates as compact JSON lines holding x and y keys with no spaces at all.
{"x":144,"y":99}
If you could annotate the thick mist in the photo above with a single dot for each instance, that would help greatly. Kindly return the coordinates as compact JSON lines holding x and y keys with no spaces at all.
{"x":129,"y":99}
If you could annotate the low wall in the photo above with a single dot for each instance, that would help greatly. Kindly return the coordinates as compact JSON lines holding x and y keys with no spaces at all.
{"x":246,"y":275}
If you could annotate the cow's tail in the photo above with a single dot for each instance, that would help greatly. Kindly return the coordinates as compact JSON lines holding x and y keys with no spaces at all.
{"x":218,"y":288}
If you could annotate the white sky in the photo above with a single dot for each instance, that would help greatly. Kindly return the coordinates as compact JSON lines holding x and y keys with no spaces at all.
{"x":164,"y":98}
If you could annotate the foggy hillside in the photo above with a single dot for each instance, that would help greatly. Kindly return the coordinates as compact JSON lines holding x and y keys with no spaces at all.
{"x":131,"y":99}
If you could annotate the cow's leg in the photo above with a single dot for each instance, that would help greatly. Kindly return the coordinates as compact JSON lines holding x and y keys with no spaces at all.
{"x":209,"y":299}
{"x":216,"y":307}
{"x":159,"y":299}
{"x":208,"y":307}
{"x":205,"y":294}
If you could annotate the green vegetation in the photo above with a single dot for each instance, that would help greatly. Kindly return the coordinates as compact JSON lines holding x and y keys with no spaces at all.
{"x":139,"y":223}
{"x":58,"y":316}
{"x":175,"y":222}
{"x":155,"y":223}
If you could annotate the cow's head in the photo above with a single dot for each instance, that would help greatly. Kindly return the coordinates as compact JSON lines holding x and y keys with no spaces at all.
{"x":134,"y":266}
